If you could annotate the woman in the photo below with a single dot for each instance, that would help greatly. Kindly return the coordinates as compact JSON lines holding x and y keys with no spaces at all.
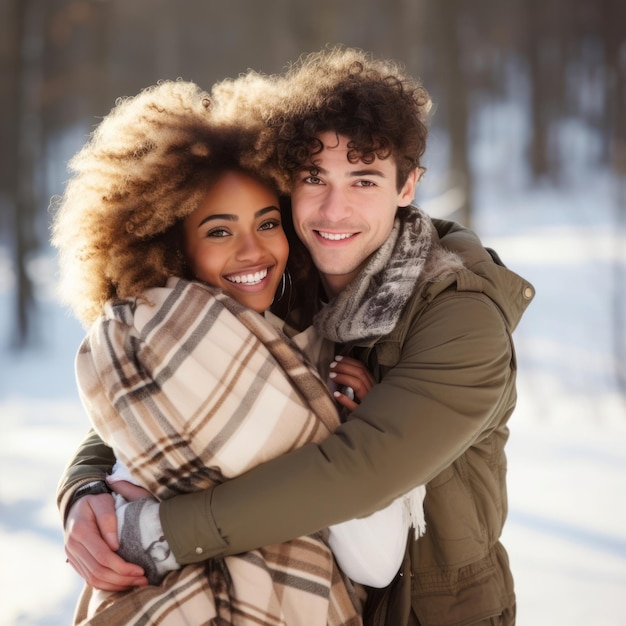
{"x":187,"y":385}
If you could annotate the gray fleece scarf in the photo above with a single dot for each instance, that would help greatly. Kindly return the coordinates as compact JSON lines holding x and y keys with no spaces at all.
{"x":370,"y":306}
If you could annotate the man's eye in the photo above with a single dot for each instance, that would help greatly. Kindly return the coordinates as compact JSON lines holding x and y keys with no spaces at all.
{"x":365,"y":183}
{"x":312,"y":180}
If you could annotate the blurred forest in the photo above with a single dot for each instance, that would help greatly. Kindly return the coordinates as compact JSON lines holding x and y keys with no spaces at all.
{"x":64,"y":62}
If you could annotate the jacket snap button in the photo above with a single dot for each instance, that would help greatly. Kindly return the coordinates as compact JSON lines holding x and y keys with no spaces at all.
{"x":199,"y":550}
{"x":528,"y":293}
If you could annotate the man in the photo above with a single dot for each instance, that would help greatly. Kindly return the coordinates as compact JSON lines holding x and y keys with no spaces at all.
{"x":428,"y":309}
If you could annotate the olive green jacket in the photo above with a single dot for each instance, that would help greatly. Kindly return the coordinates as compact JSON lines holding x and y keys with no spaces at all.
{"x":438,"y":416}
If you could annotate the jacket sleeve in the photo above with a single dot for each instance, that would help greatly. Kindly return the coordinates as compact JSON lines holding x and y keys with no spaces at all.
{"x":450,"y":385}
{"x":92,"y":461}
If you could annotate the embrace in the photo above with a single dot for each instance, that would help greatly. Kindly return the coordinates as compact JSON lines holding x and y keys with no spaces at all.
{"x":298,"y":382}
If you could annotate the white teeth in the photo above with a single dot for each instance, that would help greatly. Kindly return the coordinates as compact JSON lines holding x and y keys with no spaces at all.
{"x":248,"y":279}
{"x":334,"y":236}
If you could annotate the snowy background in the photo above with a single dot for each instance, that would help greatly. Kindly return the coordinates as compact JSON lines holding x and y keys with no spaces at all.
{"x":566,"y":532}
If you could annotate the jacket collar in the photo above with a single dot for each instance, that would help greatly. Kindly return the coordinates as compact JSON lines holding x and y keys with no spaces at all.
{"x":422,"y":258}
{"x":485,"y":273}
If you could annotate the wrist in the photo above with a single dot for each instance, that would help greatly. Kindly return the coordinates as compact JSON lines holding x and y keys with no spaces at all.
{"x":93,"y":487}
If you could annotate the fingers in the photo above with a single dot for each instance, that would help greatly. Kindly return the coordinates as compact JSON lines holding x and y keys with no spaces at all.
{"x":349,"y":372}
{"x":352,"y":367}
{"x":103,"y":569}
{"x":344,"y":400}
{"x":91,"y":554}
{"x":103,"y":512}
{"x":129,"y":491}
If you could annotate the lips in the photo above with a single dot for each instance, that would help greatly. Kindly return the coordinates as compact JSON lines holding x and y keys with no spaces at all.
{"x":253,"y":278}
{"x":334,"y":236}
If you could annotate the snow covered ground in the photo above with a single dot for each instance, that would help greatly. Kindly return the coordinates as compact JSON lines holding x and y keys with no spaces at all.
{"x":566,"y":533}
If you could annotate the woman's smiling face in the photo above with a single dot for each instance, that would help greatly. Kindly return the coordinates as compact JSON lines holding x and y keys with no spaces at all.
{"x":235,"y":240}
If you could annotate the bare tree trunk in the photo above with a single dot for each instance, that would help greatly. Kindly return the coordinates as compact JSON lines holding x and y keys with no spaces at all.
{"x":615,"y":105}
{"x":539,"y":146}
{"x":167,"y":38}
{"x":619,"y":282}
{"x":29,"y":18}
{"x":446,"y":16}
{"x":550,"y":25}
{"x":9,"y":88}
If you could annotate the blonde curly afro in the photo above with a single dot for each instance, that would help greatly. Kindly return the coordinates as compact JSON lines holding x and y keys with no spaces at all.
{"x":145,"y":168}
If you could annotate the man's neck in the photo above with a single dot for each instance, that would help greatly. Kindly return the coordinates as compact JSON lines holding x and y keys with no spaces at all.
{"x":333,"y":285}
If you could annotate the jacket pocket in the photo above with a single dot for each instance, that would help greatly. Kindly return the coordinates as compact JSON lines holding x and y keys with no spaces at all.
{"x":455,"y":535}
{"x":481,"y":592}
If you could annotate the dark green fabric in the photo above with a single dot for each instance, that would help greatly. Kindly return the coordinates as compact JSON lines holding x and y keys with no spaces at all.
{"x":92,"y":461}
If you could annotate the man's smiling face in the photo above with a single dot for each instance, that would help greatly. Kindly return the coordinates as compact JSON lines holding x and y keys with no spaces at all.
{"x":343,"y":212}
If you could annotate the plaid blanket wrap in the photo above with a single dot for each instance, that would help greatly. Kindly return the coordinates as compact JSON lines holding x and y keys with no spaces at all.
{"x":190,"y":389}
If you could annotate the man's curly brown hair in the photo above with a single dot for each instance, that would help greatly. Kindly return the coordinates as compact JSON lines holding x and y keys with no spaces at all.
{"x":146,"y":167}
{"x":371,"y":101}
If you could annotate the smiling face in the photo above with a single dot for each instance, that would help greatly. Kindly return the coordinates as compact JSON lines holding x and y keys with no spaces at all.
{"x":234,"y":240}
{"x":343,"y":212}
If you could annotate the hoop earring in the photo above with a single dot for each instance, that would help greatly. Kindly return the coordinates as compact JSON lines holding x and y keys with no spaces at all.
{"x":284,"y":279}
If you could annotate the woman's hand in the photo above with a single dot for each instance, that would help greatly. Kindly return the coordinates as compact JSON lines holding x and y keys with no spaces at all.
{"x":90,"y":545}
{"x":129,"y":491}
{"x":353,"y":379}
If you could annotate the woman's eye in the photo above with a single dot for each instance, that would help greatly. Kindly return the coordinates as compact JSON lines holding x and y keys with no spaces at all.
{"x":218,"y":233}
{"x":269,"y":225}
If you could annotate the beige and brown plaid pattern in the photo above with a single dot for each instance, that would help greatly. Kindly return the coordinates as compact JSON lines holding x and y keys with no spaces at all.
{"x":190,"y":389}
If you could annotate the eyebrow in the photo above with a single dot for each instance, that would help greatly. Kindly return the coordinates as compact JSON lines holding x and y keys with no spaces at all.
{"x":354,"y":173}
{"x":370,"y":172}
{"x":234,"y":218}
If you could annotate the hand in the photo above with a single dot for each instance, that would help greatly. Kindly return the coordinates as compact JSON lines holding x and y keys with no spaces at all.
{"x":349,"y":372}
{"x":90,"y":544}
{"x":141,"y":538}
{"x":129,"y":491}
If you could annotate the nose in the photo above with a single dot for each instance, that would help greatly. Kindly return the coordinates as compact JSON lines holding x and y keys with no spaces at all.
{"x":249,"y":248}
{"x":335,"y":205}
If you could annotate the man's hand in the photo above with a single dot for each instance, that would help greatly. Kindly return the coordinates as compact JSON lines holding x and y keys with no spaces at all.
{"x":90,"y":544}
